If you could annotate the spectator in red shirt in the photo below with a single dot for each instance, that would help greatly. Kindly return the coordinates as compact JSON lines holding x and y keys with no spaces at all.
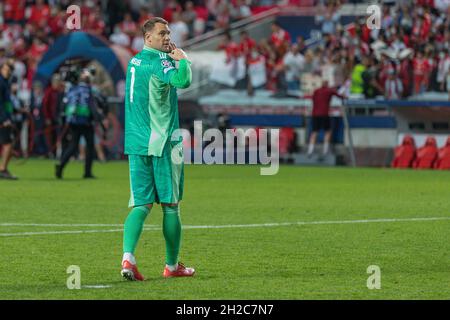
{"x":57,"y":21}
{"x":246,"y":45}
{"x":426,"y":27}
{"x":20,"y":49}
{"x":50,"y":109}
{"x":94,"y":23}
{"x":231,"y":48}
{"x":406,"y":38}
{"x":40,"y":12}
{"x":421,"y":68}
{"x":37,"y":49}
{"x":426,"y":3}
{"x":128,"y":26}
{"x":320,"y":115}
{"x":269,"y":54}
{"x":365,"y":33}
{"x":406,"y":72}
{"x":31,"y":70}
{"x":171,"y":7}
{"x":14,"y":10}
{"x":280,"y":38}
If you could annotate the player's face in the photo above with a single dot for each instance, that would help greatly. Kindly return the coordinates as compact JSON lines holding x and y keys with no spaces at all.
{"x":159,"y":37}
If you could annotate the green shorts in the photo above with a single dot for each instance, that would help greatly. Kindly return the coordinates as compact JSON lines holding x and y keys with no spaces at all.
{"x":157,"y":179}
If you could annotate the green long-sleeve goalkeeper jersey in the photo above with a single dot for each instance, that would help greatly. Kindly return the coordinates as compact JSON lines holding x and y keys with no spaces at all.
{"x":151,"y":102}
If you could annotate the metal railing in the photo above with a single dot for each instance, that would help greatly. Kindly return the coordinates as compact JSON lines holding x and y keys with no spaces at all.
{"x":203,"y":41}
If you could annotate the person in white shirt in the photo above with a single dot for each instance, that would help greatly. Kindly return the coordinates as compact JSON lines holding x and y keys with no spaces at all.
{"x":293,"y":62}
{"x":120,"y":38}
{"x":393,"y":88}
{"x":442,"y":5}
{"x":443,"y":68}
{"x":397,"y":45}
{"x":448,"y":83}
{"x":241,"y":10}
{"x":179,"y":30}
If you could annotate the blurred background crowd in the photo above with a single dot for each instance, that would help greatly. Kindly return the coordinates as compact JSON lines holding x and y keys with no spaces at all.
{"x":409,"y":55}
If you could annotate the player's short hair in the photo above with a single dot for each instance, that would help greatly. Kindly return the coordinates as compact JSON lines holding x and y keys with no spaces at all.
{"x":150,"y":24}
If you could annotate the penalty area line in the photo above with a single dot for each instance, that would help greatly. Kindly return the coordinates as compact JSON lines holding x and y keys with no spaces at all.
{"x":230,"y":226}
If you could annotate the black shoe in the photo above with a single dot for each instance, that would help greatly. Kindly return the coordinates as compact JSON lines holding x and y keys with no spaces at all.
{"x":58,"y":171}
{"x":89,"y":176}
{"x":5,"y":174}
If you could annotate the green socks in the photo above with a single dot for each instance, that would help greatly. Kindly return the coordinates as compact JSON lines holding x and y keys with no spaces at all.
{"x":172,"y":233}
{"x":133,"y":227}
{"x":171,"y":230}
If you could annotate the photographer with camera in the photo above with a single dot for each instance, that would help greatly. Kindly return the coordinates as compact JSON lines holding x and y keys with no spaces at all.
{"x":80,"y":114}
{"x":102,"y":108}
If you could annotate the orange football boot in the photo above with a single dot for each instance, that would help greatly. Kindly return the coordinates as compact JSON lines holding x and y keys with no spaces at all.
{"x":181,"y":271}
{"x":130,"y":272}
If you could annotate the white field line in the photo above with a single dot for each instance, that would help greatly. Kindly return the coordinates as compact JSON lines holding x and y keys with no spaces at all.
{"x":56,"y":232}
{"x":99,"y":286}
{"x":282,"y":224}
{"x":7,"y":224}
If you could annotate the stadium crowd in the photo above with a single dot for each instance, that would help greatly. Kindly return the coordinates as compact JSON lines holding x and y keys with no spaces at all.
{"x":409,"y":55}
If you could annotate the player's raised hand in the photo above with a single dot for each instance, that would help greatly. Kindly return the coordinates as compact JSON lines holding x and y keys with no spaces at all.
{"x":176,"y":53}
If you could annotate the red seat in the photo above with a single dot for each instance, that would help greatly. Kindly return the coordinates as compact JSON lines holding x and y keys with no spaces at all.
{"x":405,"y":153}
{"x":426,"y":155}
{"x":443,"y":159}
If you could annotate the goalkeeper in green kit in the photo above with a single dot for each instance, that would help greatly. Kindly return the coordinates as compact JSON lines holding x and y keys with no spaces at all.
{"x":151,"y":116}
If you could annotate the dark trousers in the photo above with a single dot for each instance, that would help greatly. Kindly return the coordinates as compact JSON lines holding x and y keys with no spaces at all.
{"x":51,"y":136}
{"x":76,"y":131}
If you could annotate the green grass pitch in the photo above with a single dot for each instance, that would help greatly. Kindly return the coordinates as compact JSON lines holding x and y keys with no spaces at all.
{"x":47,"y":225}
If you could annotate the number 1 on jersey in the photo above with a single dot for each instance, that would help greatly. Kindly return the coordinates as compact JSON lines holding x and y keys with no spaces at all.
{"x":133,"y":71}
